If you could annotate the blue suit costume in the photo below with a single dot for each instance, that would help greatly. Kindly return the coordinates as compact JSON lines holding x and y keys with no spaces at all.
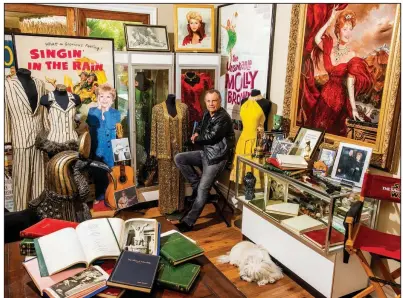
{"x":102,"y":132}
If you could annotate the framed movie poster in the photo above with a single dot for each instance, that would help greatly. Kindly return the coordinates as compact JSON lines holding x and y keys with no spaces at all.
{"x":149,"y":38}
{"x":194,"y":28}
{"x":246,"y":54}
{"x":343,"y":74}
{"x":80,"y":63}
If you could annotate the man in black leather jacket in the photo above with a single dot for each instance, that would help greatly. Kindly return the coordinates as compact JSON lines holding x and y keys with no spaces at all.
{"x":216,"y":134}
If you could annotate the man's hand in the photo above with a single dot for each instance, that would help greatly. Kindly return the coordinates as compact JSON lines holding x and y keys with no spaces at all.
{"x":194,"y":136}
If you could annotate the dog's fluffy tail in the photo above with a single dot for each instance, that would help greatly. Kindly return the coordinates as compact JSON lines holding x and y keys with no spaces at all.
{"x":223,"y":259}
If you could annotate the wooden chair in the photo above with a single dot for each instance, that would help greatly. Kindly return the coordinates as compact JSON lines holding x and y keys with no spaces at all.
{"x":360,"y":238}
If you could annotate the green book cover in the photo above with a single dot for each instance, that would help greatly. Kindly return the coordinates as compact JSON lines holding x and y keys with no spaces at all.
{"x":43,"y":270}
{"x":177,"y":249}
{"x":179,"y":278}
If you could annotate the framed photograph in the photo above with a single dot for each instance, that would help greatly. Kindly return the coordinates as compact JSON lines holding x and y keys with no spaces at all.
{"x":126,"y":197}
{"x":306,"y":142}
{"x":327,"y":156}
{"x":239,"y":45}
{"x":149,"y":38}
{"x":194,"y":28}
{"x":141,"y":236}
{"x":269,"y":139}
{"x":316,"y":98}
{"x":281,"y":147}
{"x":351,"y":163}
{"x":121,"y":149}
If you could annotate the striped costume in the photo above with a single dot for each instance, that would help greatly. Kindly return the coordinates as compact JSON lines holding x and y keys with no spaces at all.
{"x":21,"y":128}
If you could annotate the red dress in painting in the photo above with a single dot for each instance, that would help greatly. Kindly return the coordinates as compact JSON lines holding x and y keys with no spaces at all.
{"x":191,"y":95}
{"x":329,"y":107}
{"x":333,"y":106}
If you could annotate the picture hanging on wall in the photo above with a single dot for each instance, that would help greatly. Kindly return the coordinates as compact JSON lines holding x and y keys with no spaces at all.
{"x":245,"y":42}
{"x":194,"y":28}
{"x":343,"y":74}
{"x":9,"y":59}
{"x":81,"y":64}
{"x":149,"y":38}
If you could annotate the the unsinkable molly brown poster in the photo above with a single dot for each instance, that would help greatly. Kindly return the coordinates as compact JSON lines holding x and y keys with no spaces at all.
{"x":81,"y":64}
{"x":245,"y":52}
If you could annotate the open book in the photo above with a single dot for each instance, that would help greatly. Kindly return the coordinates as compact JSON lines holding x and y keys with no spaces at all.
{"x":95,"y":239}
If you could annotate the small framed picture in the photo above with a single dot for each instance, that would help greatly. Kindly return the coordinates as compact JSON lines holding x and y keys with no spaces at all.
{"x":150,"y":38}
{"x":327,"y":156}
{"x":126,"y":197}
{"x":351,"y":163}
{"x":194,"y":28}
{"x":306,"y":142}
{"x":121,"y":149}
{"x":281,"y":147}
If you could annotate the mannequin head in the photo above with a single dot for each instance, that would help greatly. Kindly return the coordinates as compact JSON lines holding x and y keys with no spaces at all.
{"x":106,"y":94}
{"x":255,"y":92}
{"x":171,"y":98}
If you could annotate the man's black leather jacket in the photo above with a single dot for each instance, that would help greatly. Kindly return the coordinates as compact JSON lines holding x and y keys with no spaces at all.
{"x":217,"y":136}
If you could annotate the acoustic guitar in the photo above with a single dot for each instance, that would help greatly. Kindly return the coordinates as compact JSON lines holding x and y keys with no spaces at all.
{"x":124,"y":177}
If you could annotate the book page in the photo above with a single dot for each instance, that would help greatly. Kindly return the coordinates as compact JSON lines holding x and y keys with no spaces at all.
{"x":61,"y":250}
{"x":98,"y":239}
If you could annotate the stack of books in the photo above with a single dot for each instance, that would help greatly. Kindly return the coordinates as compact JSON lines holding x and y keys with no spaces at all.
{"x":107,"y":256}
{"x":282,"y":211}
{"x":318,"y":237}
{"x":288,"y":162}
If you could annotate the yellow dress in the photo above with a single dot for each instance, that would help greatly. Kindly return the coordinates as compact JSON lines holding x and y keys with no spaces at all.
{"x":252,"y":117}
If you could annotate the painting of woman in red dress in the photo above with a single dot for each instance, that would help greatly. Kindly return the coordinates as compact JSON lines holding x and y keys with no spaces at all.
{"x":195,"y":27}
{"x":329,"y":106}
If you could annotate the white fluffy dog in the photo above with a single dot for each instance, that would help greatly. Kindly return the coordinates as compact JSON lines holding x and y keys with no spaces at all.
{"x":254,"y":263}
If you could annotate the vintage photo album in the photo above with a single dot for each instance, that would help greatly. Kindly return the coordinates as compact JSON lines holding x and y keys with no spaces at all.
{"x":95,"y":239}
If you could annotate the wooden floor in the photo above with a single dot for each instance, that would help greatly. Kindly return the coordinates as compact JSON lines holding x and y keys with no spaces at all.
{"x":217,"y":239}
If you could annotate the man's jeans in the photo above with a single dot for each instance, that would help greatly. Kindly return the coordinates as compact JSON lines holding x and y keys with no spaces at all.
{"x":186,"y":161}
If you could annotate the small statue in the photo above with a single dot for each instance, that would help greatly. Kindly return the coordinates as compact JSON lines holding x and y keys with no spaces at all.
{"x":259,"y":143}
{"x":307,"y":149}
{"x":249,"y":181}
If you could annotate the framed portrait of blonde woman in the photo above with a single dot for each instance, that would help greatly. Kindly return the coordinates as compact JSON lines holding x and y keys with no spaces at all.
{"x":194,"y":28}
{"x":343,"y":74}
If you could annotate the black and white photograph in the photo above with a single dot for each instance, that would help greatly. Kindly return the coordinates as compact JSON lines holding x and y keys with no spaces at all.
{"x":121,"y":150}
{"x":271,"y":139}
{"x":146,"y":38}
{"x":351,"y":163}
{"x":79,"y":282}
{"x":281,"y":147}
{"x":141,"y":237}
{"x":126,"y":197}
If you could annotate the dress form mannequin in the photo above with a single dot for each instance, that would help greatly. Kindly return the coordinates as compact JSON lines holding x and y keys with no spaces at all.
{"x":264,"y":103}
{"x":142,"y":82}
{"x":171,"y":105}
{"x":24,"y":76}
{"x":192,"y":78}
{"x":61,"y":97}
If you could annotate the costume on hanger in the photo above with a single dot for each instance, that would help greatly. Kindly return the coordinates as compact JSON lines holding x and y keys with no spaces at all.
{"x":252,"y":117}
{"x":23,"y":122}
{"x":192,"y":94}
{"x":168,"y":136}
{"x":62,"y":133}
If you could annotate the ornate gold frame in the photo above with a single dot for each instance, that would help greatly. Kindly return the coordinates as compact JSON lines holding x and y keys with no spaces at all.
{"x":386,"y":142}
{"x":213,"y":29}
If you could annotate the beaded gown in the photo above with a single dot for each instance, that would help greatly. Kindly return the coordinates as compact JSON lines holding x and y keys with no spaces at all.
{"x":168,"y":136}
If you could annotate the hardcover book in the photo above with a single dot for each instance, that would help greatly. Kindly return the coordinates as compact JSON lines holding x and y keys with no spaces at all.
{"x":301,"y":224}
{"x":177,"y":249}
{"x":45,"y":227}
{"x":283,"y":209}
{"x":42,"y":283}
{"x":289,"y":161}
{"x":95,"y":239}
{"x":134,"y":271}
{"x":318,"y":237}
{"x":179,"y":278}
{"x":110,"y":292}
{"x":83,"y":284}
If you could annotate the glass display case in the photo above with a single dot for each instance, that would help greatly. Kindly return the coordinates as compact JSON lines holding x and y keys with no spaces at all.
{"x":143,"y":80}
{"x":195,"y":74}
{"x":280,"y":199}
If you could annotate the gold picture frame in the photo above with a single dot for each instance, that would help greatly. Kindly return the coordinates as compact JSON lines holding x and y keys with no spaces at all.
{"x":203,"y":17}
{"x":383,"y":139}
